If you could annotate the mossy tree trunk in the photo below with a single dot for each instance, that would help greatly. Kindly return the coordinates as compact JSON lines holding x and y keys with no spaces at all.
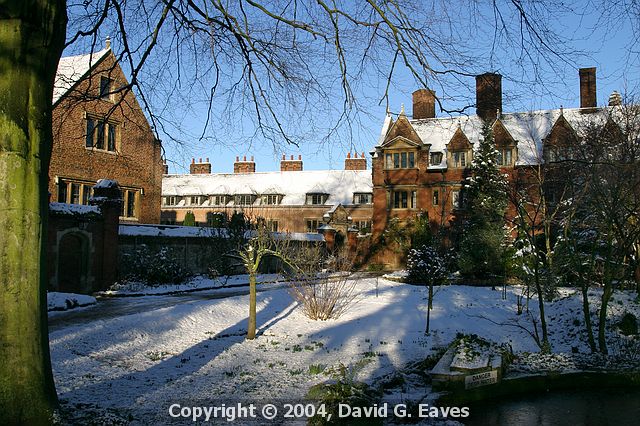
{"x":31,"y":41}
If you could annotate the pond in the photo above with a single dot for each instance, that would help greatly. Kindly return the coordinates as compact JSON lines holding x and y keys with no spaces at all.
{"x":567,"y":407}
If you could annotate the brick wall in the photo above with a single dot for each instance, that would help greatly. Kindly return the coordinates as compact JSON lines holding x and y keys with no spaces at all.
{"x":135,"y":164}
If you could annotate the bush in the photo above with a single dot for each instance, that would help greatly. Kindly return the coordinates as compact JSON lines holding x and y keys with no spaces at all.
{"x":628,"y":324}
{"x":153,"y":267}
{"x":345,"y":391}
{"x":322,"y":294}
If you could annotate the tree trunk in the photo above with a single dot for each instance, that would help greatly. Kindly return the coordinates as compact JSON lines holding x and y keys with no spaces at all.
{"x":587,"y":316}
{"x":543,"y":322}
{"x":429,"y":307}
{"x":31,"y":41}
{"x":251,"y":329}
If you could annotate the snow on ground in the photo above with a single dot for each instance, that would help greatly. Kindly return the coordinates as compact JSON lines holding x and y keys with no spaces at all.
{"x":195,"y":352}
{"x":195,"y":283}
{"x":65,"y":301}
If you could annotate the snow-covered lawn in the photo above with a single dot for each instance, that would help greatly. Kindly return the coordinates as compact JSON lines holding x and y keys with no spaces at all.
{"x":195,"y":352}
{"x":65,"y":301}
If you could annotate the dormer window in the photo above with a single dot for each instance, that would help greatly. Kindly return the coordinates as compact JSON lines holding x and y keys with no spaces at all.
{"x":362,"y":198}
{"x":400,"y":160}
{"x":436,"y":158}
{"x":171,"y":200}
{"x":196,"y":200}
{"x":459,"y":159}
{"x":245,"y":199}
{"x":505,"y":157}
{"x":317,"y":198}
{"x":271,"y":199}
{"x":218,"y":200}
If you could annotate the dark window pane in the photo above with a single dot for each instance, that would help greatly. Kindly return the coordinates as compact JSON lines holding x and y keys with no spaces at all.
{"x":396,"y":160}
{"x":62,"y":192}
{"x":111,"y":146}
{"x":105,"y":87}
{"x":90,"y":129}
{"x":99,"y":142}
{"x":412,"y":160}
{"x":403,"y":160}
{"x":131,"y":204}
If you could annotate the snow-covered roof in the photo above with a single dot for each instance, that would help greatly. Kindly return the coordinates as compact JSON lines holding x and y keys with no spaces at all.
{"x":71,"y":69}
{"x":293,"y":185}
{"x":527,"y":128}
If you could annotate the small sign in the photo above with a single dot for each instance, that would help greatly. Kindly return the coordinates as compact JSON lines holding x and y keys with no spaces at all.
{"x":481,"y":379}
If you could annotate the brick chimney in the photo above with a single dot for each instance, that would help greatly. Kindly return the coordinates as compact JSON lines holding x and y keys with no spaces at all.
{"x":424,"y":104}
{"x":355,"y":163}
{"x":291,"y":165}
{"x":588,"y":88}
{"x":199,"y":168}
{"x":244,"y":166}
{"x":488,"y":95}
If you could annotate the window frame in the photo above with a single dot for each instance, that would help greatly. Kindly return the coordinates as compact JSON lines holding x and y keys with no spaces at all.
{"x":102,"y":135}
{"x":105,"y":92}
{"x":271,"y":199}
{"x":240,"y":199}
{"x":312,"y":197}
{"x":310,"y":221}
{"x":400,"y":159}
{"x":459,"y":159}
{"x":357,"y":198}
{"x":403,"y":199}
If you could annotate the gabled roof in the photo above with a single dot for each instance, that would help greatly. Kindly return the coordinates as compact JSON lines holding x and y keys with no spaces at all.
{"x":528,"y":129}
{"x":295,"y":185}
{"x":72,"y":69}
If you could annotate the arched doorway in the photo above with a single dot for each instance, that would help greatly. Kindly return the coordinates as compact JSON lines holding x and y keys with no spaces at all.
{"x":73,"y":253}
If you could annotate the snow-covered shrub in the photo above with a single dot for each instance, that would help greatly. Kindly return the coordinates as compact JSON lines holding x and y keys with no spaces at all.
{"x":323,"y":294}
{"x":153,"y":267}
{"x":425,"y":266}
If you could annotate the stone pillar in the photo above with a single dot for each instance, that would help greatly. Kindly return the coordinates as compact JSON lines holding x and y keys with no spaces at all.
{"x":107,"y":196}
{"x":352,"y":240}
{"x":329,"y":234}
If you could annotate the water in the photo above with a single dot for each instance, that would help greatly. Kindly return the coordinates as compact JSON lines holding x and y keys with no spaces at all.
{"x":575,"y":407}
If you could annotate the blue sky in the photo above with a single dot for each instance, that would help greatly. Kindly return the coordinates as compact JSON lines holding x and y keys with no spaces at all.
{"x":605,"y":45}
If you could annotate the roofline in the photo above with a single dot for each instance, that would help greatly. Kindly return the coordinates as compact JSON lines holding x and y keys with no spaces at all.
{"x":82,"y":77}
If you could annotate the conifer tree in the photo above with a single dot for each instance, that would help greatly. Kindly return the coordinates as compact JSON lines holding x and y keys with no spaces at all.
{"x":482,"y":247}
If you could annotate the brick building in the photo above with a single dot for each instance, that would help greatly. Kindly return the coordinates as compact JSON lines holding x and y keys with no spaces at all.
{"x":101,"y":132}
{"x":289,"y":200}
{"x":420,"y":163}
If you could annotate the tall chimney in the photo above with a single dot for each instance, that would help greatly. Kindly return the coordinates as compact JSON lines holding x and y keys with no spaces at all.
{"x":244,"y":166}
{"x":291,"y":165}
{"x":588,"y":88}
{"x":424,"y":104}
{"x":488,"y":95}
{"x":355,"y":163}
{"x":200,"y":168}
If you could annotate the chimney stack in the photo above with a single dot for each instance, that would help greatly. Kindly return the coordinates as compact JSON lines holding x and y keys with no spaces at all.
{"x":165,"y":167}
{"x":424,"y":104}
{"x":355,"y":163}
{"x":291,"y":165}
{"x":199,"y":168}
{"x":588,"y":88}
{"x":244,"y":166}
{"x":488,"y":95}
